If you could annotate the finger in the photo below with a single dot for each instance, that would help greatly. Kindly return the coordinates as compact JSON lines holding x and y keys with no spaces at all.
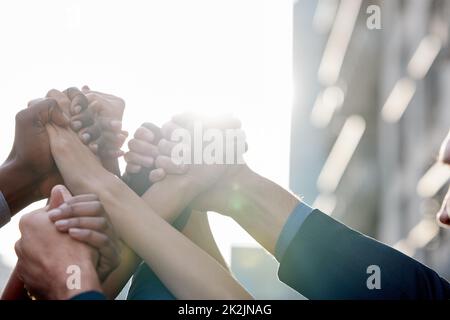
{"x":113,"y":153}
{"x":90,"y":133}
{"x":142,"y":147}
{"x":169,"y":166}
{"x":47,"y":111}
{"x":157,"y":175}
{"x":58,"y":196}
{"x":172,"y":131}
{"x":85,"y":89}
{"x":108,"y":248}
{"x":33,"y":102}
{"x":62,"y":99}
{"x":106,"y":150}
{"x":133,"y":168}
{"x":81,"y":209}
{"x":107,"y":123}
{"x":122,"y":137}
{"x":165,"y":147}
{"x":135,"y":158}
{"x":143,"y":133}
{"x":154,"y":129}
{"x":92,"y":223}
{"x":18,"y":248}
{"x":94,"y":148}
{"x":109,"y":144}
{"x":113,"y":140}
{"x":96,"y":239}
{"x":82,"y":198}
{"x":79,"y":102}
{"x":82,"y":120}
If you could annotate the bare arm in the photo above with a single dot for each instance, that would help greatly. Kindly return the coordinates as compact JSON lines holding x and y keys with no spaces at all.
{"x":186,"y":270}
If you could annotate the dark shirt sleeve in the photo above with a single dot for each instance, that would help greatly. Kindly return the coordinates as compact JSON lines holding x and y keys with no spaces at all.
{"x":328,"y":260}
{"x":89,"y":295}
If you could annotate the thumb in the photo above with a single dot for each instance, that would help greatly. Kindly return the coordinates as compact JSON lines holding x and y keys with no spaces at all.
{"x":48,"y":110}
{"x":85,"y":89}
{"x":58,"y":196}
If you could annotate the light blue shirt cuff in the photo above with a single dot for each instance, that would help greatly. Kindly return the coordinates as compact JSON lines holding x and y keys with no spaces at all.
{"x":5,"y":213}
{"x":291,"y":227}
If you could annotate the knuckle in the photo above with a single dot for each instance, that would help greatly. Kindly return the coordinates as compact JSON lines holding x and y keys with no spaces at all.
{"x":105,"y":241}
{"x":103,"y":224}
{"x":18,"y":248}
{"x":77,"y":221}
{"x":98,"y":208}
{"x":52,"y":92}
{"x":130,"y":157}
{"x":22,"y":115}
{"x":24,"y":222}
{"x":89,"y":234}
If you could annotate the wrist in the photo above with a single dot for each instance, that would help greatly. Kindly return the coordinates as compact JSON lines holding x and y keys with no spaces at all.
{"x":259,"y":205}
{"x":18,"y":185}
{"x":230,"y":193}
{"x":170,"y":196}
{"x":90,"y":183}
{"x":88,"y":281}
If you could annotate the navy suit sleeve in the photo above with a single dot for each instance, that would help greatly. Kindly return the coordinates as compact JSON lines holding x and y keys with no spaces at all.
{"x":327,"y":260}
{"x":89,"y":295}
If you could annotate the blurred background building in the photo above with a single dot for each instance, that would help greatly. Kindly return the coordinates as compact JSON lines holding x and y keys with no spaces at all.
{"x":371,"y":108}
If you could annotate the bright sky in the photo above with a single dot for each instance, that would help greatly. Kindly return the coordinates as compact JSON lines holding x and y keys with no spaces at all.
{"x":162,"y":57}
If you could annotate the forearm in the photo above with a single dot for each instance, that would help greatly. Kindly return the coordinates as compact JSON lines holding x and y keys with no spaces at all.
{"x":167,"y":201}
{"x":259,"y":205}
{"x":199,"y":232}
{"x":185,"y":269}
{"x":17,"y":186}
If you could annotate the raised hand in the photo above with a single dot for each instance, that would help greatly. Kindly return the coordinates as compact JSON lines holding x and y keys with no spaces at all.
{"x":31,"y":170}
{"x":97,"y":118}
{"x":45,"y":256}
{"x":200,"y":150}
{"x":85,"y":220}
{"x":141,"y":157}
{"x":108,"y":113}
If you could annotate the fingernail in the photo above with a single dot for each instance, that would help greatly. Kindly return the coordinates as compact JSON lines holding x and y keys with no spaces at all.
{"x":116,"y":124}
{"x":77,"y":109}
{"x":54,"y":213}
{"x":62,"y":223}
{"x":76,"y":125}
{"x":85,"y":137}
